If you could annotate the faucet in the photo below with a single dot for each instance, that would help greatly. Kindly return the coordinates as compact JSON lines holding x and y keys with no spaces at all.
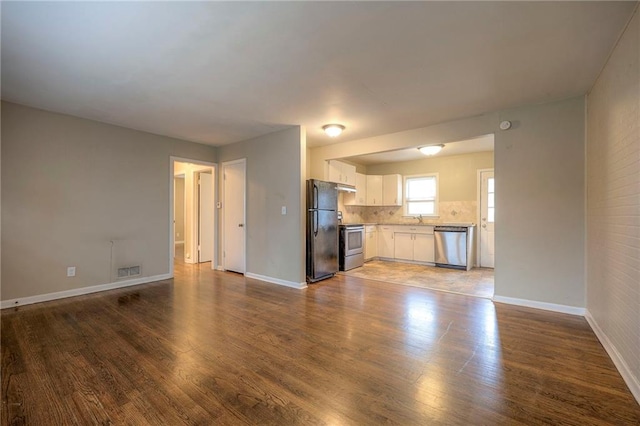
{"x":419,"y":218}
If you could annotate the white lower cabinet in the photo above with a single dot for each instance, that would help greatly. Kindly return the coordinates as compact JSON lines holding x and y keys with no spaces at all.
{"x":423,"y":248}
{"x":385,"y":242}
{"x":371,"y":242}
{"x":414,"y":243}
{"x":403,"y":245}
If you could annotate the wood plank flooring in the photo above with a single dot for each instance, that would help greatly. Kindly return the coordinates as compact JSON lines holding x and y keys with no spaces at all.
{"x":215,"y":348}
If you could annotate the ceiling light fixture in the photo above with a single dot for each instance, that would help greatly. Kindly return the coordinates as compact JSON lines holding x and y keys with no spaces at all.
{"x":431,"y":149}
{"x":333,"y":130}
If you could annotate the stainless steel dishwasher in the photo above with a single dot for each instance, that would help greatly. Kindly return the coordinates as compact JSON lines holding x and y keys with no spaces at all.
{"x":451,"y":246}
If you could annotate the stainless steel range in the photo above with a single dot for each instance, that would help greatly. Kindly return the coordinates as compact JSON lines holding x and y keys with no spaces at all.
{"x":351,"y":246}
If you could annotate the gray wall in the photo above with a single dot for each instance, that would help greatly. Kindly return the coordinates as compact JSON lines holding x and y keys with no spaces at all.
{"x":70,"y":186}
{"x":275,"y":177}
{"x":539,"y":167}
{"x":613,"y":207}
{"x":540,"y":199}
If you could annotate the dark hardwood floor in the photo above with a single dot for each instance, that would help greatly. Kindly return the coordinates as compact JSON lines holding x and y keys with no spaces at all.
{"x":216,"y":348}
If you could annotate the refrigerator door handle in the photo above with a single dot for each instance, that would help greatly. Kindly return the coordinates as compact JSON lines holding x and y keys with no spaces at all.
{"x":315,"y":223}
{"x":315,"y":196}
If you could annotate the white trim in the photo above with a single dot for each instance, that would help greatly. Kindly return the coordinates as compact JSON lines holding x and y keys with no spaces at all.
{"x":565,"y":309}
{"x":21,"y":301}
{"x":278,"y":281}
{"x":632,"y":382}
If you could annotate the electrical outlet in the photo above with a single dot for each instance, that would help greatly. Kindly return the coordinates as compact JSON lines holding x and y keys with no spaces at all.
{"x":284,"y":210}
{"x":71,"y":271}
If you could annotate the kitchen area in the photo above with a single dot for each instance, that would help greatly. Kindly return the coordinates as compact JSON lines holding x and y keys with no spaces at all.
{"x":413,"y":221}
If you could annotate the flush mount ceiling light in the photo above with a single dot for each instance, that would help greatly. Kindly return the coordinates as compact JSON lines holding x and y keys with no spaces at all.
{"x":333,"y":130}
{"x":431,"y":149}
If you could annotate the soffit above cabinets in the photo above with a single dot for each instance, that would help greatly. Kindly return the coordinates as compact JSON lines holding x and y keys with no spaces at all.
{"x":479,"y":144}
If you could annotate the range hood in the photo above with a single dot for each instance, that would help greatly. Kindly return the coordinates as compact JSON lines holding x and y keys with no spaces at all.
{"x":346,"y":188}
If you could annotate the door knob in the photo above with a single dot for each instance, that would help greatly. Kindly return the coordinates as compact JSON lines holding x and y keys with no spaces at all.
{"x":484,"y":226}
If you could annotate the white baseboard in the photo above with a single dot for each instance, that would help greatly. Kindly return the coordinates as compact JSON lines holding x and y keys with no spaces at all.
{"x":632,"y":382}
{"x":219,"y":268}
{"x":278,"y":281}
{"x":565,"y":309}
{"x":80,"y":291}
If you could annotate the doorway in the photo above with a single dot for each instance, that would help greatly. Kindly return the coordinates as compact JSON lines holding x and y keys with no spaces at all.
{"x":193,"y":213}
{"x":234,"y":216}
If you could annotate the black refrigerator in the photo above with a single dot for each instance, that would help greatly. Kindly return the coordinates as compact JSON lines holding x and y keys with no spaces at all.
{"x":322,"y":230}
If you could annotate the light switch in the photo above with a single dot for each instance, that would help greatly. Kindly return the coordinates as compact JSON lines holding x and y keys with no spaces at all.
{"x":71,"y":271}
{"x":284,"y":210}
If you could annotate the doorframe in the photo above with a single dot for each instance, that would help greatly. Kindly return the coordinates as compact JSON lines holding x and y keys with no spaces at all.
{"x":214,"y":172}
{"x":222,"y":212}
{"x":479,"y":211}
{"x":184,"y":212}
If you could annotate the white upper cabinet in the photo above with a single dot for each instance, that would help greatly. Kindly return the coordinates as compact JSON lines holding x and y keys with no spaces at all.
{"x":371,"y":190}
{"x":359,"y":198}
{"x":349,"y":173}
{"x":374,"y":190}
{"x":340,"y":172}
{"x":392,"y":190}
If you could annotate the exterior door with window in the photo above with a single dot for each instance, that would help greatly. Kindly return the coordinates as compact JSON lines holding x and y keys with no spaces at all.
{"x":487,"y":219}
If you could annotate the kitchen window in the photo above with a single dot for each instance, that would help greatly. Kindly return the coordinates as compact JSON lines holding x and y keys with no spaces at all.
{"x":421,"y":195}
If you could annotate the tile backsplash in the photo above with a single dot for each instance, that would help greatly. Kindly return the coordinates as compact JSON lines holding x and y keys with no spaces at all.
{"x":449,"y":211}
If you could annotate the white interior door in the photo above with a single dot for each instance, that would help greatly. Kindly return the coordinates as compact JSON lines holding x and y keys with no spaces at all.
{"x":233,"y":254}
{"x":205,"y":217}
{"x":487,"y":219}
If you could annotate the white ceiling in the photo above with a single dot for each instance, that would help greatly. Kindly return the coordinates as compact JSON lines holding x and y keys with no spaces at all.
{"x":217,"y":73}
{"x":479,"y":144}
